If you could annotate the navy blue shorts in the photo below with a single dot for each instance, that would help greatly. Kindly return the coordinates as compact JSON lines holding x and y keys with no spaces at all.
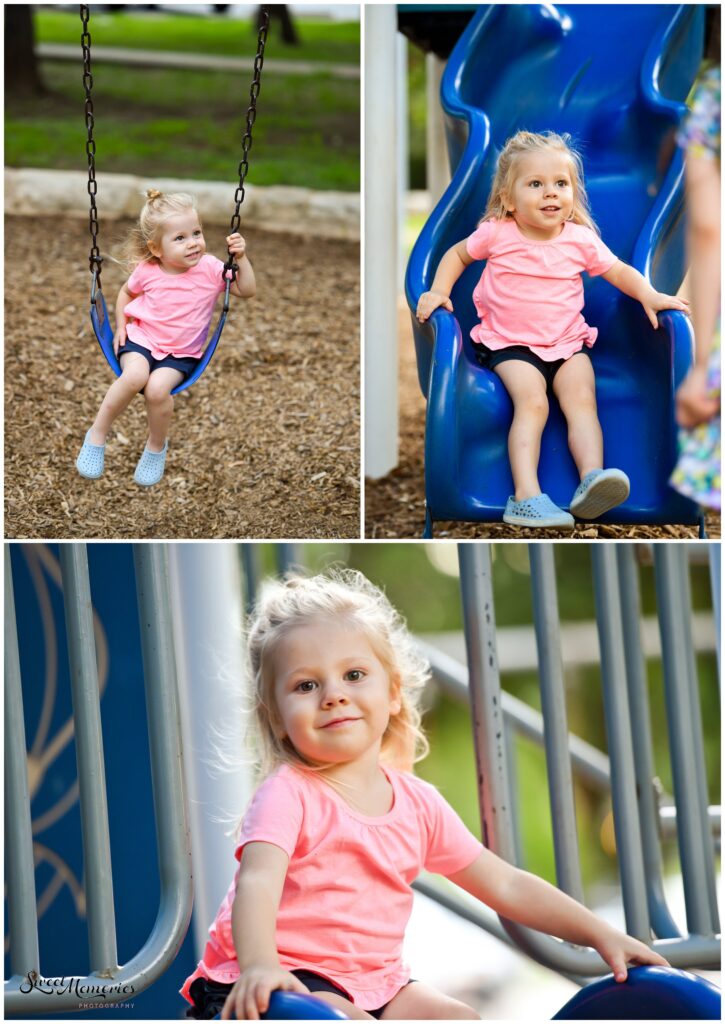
{"x":209,"y":996}
{"x":185,"y":364}
{"x":490,"y":358}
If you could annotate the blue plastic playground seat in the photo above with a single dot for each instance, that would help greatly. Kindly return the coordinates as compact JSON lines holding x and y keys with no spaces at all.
{"x":649,"y":993}
{"x":294,"y":1006}
{"x":550,"y":68}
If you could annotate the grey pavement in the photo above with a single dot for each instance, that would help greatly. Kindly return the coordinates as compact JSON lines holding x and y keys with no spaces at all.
{"x":194,"y":61}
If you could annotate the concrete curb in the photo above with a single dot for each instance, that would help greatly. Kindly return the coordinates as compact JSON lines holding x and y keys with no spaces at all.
{"x":294,"y":211}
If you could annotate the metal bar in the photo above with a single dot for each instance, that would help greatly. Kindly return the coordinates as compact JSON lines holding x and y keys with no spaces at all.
{"x":698,"y":741}
{"x":591,"y":764}
{"x":172,"y":832}
{"x":663,"y":923}
{"x":714,"y":556}
{"x":251,"y":574}
{"x":289,"y":557}
{"x":556,"y":731}
{"x":20,"y":864}
{"x":693,"y":857}
{"x":89,"y":758}
{"x":619,"y":737}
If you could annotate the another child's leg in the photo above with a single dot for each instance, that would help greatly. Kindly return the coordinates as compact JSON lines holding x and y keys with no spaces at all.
{"x":134,"y":375}
{"x":573,"y":386}
{"x":527,"y":389}
{"x":421,"y":1002}
{"x":160,"y":404}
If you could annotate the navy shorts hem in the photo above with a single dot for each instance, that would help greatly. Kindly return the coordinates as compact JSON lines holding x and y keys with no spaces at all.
{"x":184,"y":364}
{"x":491,"y":358}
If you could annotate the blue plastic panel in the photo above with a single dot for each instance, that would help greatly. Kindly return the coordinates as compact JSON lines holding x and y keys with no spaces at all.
{"x":649,"y":993}
{"x":553,"y":68}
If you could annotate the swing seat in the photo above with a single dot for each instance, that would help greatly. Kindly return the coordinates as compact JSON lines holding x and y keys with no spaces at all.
{"x":549,"y":68}
{"x":104,"y":333}
{"x":649,"y":993}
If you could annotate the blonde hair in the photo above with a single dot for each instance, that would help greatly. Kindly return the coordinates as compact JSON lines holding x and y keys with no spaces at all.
{"x":347,"y":595}
{"x":157,"y":208}
{"x":520,"y":145}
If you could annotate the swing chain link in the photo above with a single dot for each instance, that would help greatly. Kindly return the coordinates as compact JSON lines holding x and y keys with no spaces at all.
{"x":95,"y":258}
{"x":243,"y":169}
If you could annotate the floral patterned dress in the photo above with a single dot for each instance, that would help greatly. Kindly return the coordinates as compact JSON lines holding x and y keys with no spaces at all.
{"x":697,"y":473}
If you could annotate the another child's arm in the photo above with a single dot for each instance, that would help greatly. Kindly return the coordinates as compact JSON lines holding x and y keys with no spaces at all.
{"x":124,"y":297}
{"x":449,"y":270}
{"x":631,"y":282}
{"x":244,"y":285}
{"x":254,"y":914}
{"x":529,"y":900}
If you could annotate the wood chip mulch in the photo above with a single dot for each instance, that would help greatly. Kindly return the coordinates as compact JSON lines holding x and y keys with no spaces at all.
{"x":265,"y":445}
{"x":395,"y":505}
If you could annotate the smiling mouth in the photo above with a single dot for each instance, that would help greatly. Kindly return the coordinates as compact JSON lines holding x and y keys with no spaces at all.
{"x":550,"y":209}
{"x":338,"y":722}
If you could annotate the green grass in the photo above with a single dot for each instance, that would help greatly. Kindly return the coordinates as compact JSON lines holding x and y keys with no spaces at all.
{"x":163,"y":122}
{"x":320,"y":40}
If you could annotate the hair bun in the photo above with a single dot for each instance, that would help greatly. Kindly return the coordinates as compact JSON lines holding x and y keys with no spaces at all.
{"x":153,"y":193}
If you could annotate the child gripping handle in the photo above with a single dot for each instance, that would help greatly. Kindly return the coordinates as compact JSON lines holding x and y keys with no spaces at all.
{"x":163,"y":314}
{"x":538,"y":237}
{"x":340,"y":826}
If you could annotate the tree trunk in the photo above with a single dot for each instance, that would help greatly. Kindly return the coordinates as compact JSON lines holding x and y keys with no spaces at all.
{"x":22,"y":74}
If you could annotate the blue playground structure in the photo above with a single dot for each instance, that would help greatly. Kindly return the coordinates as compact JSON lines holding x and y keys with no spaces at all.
{"x":550,"y":67}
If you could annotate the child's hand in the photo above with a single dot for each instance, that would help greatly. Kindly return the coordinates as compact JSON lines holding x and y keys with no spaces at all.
{"x":655,"y":301}
{"x":250,"y":996}
{"x":618,"y":949}
{"x":430,"y":301}
{"x":236,"y":245}
{"x":119,"y":339}
{"x":693,"y":402}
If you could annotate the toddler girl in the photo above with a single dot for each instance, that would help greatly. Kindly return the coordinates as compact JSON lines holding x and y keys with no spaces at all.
{"x":340,"y":827}
{"x":538,"y":236}
{"x":163,"y":313}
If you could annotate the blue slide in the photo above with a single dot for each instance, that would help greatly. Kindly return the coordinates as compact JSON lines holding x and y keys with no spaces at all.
{"x":615,"y":78}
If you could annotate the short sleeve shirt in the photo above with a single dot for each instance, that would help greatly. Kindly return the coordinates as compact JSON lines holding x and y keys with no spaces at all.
{"x":347,"y":895}
{"x":172,"y":312}
{"x":531,"y":292}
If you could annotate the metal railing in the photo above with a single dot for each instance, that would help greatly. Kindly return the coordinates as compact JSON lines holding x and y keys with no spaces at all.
{"x":628,"y":772}
{"x":108,"y":982}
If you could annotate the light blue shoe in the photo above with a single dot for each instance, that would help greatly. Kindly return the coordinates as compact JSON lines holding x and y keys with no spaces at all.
{"x":151,"y":466}
{"x":599,"y":491}
{"x":538,"y":512}
{"x":91,"y":459}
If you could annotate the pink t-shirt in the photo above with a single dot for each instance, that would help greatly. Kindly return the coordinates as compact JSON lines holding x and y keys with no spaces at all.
{"x":347,"y":896}
{"x":172,"y":312}
{"x":531,"y":292}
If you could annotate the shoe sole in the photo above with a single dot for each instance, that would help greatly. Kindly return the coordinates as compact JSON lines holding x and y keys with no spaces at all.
{"x":600,"y":498}
{"x":540,"y":524}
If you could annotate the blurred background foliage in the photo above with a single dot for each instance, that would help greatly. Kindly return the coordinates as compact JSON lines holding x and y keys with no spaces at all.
{"x":155,"y":121}
{"x":421,"y":581}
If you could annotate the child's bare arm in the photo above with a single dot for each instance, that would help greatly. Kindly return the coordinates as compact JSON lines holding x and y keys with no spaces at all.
{"x":254,"y":914}
{"x":449,"y":270}
{"x":124,"y":297}
{"x":529,"y":900}
{"x":245,"y":285}
{"x":631,"y":282}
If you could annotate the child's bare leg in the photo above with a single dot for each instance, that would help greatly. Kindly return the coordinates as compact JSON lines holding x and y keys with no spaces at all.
{"x":421,"y":1002}
{"x":340,"y":1003}
{"x":527,"y":389}
{"x":574,"y":388}
{"x":160,"y":404}
{"x":134,"y":375}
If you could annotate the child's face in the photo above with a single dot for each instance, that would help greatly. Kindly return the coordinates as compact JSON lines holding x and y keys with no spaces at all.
{"x":333,"y":695}
{"x":542,"y":196}
{"x":181,"y":243}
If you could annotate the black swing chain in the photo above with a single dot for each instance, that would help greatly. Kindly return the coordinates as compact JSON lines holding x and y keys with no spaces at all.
{"x":95,"y":259}
{"x":230,"y":265}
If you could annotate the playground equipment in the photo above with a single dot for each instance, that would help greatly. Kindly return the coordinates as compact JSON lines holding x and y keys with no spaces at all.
{"x":627,"y":774}
{"x":99,"y":312}
{"x":548,"y":67}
